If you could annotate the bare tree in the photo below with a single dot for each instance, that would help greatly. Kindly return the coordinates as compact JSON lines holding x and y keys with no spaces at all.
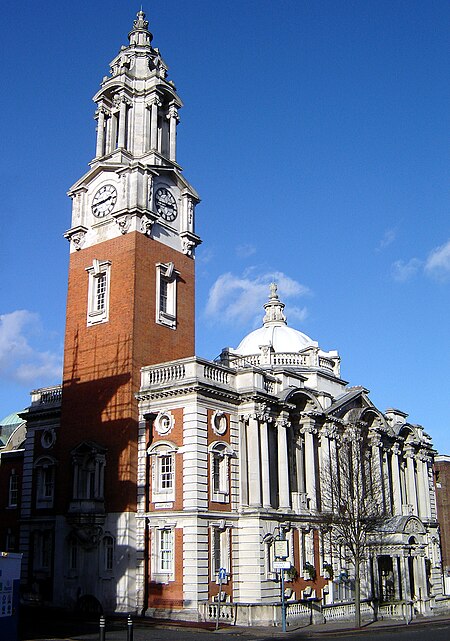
{"x":352,"y":500}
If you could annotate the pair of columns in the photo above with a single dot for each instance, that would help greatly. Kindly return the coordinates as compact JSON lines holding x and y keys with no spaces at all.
{"x":255,"y":471}
{"x":256,"y":476}
{"x":172,"y":117}
{"x":416,"y":483}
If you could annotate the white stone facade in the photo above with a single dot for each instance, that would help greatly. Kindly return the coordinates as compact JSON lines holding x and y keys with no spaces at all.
{"x":285,"y":423}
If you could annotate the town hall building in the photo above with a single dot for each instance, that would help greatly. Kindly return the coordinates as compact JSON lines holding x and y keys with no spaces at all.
{"x":150,"y":471}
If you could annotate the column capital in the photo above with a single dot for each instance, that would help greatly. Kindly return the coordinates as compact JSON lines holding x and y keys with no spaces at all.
{"x":328,"y":430}
{"x":154,"y":100}
{"x":101,"y":109}
{"x":282,"y":422}
{"x":173,"y":113}
{"x":396,"y":449}
{"x":308,"y":429}
{"x":376,"y":440}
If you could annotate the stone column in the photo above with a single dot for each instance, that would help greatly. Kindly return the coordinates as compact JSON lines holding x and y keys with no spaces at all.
{"x":122,"y":123}
{"x":100,"y":148}
{"x":377,"y":470}
{"x":397,"y":587}
{"x":265,"y":471}
{"x":154,"y":123}
{"x":423,"y":485}
{"x":386,"y":480}
{"x":173,"y":118}
{"x":243,"y":463}
{"x":309,"y":431}
{"x":284,"y":502}
{"x":411,"y":480}
{"x":396,"y":479}
{"x":253,"y":462}
{"x":300,"y":467}
{"x":426,"y":468}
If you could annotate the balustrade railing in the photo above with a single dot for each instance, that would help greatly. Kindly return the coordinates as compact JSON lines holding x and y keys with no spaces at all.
{"x":47,"y":395}
{"x":166,"y":374}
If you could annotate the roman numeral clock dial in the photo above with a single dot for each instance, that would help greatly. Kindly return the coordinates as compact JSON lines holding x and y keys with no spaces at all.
{"x":165,"y":204}
{"x":104,"y":201}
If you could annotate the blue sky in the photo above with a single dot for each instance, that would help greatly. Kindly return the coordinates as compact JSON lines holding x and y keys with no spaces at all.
{"x":316,"y":133}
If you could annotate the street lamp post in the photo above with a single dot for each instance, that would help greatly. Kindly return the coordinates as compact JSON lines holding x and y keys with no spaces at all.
{"x":281,"y":550}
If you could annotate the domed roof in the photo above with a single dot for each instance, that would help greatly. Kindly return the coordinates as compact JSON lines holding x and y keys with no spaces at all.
{"x":274,"y":332}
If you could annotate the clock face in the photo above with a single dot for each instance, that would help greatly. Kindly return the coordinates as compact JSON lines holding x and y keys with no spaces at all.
{"x":165,"y":204}
{"x":104,"y":201}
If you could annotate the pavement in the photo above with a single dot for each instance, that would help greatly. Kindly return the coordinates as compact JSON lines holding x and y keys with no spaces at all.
{"x":54,"y":627}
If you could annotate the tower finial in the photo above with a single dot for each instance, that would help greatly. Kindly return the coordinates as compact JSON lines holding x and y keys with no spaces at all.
{"x":274,"y":308}
{"x":140,"y":35}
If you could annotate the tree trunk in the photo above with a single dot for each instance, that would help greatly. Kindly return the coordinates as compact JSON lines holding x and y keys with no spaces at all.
{"x":357,"y":594}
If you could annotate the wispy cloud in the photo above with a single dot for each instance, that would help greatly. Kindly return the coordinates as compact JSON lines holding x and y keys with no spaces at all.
{"x":438,"y":262}
{"x":436,"y":265}
{"x":404,"y":270}
{"x":245,"y":250}
{"x":19,"y":359}
{"x":389,"y":236}
{"x":239,"y":299}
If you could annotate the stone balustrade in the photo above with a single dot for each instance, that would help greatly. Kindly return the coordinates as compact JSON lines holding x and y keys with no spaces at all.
{"x":287,"y":359}
{"x":192,"y":370}
{"x":46,"y":395}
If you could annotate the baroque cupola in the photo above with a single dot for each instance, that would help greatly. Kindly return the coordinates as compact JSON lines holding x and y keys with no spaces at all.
{"x":135,"y":182}
{"x":277,"y":344}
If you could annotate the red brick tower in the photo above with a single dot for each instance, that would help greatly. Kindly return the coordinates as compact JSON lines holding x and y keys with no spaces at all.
{"x":131,"y":290}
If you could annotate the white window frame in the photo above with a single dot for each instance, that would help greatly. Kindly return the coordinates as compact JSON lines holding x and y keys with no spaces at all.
{"x":219,"y":554}
{"x":166,"y":276}
{"x":99,"y":271}
{"x":160,"y":453}
{"x":219,"y":456}
{"x":13,"y":490}
{"x":163,"y":555}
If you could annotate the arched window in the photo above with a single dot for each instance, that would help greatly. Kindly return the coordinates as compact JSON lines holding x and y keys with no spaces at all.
{"x":219,"y":454}
{"x":162,"y":471}
{"x":108,"y":553}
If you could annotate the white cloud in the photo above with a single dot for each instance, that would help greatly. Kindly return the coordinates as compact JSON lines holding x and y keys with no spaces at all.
{"x":403,"y":271}
{"x":21,"y":361}
{"x":245,"y":250}
{"x":389,"y":236}
{"x":438,"y":261}
{"x":238,"y":300}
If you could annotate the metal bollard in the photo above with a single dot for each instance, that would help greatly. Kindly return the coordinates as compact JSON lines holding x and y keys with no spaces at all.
{"x":129,"y":628}
{"x":102,"y":629}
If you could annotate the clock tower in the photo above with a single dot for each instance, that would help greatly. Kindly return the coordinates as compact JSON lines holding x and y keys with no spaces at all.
{"x":131,"y":284}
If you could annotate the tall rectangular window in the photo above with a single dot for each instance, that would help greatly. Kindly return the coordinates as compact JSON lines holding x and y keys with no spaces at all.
{"x":108,"y":553}
{"x":220,"y":553}
{"x":163,"y":293}
{"x":13,"y":490}
{"x":166,"y":551}
{"x":216,"y":550}
{"x":166,"y":294}
{"x":166,"y":472}
{"x":98,"y":292}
